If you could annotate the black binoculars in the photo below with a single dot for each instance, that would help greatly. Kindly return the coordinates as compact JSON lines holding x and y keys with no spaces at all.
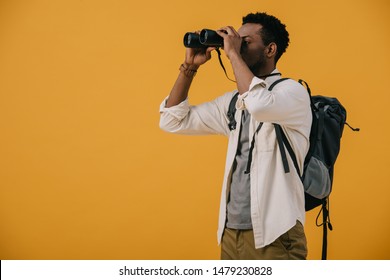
{"x":206,"y":38}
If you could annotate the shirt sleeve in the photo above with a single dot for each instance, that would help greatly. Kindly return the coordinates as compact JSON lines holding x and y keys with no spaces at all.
{"x":256,"y":82}
{"x":178,"y":112}
{"x":287,"y":104}
{"x":206,"y":118}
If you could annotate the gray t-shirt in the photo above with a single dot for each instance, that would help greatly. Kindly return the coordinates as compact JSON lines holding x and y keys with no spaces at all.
{"x":239,"y":207}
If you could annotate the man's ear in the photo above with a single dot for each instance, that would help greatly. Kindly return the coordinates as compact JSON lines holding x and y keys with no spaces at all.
{"x":271,"y":50}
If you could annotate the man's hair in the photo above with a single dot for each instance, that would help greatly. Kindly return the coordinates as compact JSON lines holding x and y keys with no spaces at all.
{"x":273,"y":31}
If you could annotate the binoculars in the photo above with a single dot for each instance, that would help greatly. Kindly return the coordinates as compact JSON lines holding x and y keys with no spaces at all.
{"x":206,"y":38}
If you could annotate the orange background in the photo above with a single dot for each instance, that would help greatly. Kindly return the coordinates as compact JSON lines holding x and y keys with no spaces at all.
{"x":86,"y":173}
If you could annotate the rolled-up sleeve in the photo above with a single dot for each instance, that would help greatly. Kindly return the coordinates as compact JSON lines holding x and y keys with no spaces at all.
{"x":206,"y":118}
{"x":171,"y":117}
{"x":287,"y":104}
{"x":256,"y":83}
{"x":178,"y":112}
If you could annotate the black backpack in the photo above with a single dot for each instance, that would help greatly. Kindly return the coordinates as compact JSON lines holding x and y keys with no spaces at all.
{"x":329,"y":118}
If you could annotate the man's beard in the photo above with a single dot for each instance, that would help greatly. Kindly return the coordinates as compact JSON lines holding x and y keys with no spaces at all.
{"x":258,"y":67}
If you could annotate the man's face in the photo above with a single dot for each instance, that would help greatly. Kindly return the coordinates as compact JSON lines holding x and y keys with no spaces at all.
{"x":253,"y":49}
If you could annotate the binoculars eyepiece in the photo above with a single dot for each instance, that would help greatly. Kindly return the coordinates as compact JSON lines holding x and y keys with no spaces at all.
{"x":206,"y":38}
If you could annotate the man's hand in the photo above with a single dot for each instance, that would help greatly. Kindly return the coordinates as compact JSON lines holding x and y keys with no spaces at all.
{"x":231,"y":41}
{"x":193,"y":59}
{"x":232,"y":46}
{"x":196,"y":57}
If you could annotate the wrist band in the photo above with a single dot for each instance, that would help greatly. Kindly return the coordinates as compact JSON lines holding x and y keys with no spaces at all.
{"x":186,"y":71}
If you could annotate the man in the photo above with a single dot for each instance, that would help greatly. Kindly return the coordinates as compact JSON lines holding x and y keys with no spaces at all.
{"x":262,"y":210}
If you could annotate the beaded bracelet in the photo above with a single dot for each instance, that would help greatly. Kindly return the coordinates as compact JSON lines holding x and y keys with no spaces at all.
{"x":188,"y":72}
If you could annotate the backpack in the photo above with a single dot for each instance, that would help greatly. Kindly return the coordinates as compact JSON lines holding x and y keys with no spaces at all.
{"x":329,"y":118}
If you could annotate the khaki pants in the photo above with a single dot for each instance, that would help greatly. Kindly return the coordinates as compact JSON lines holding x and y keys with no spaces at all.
{"x":240,"y":245}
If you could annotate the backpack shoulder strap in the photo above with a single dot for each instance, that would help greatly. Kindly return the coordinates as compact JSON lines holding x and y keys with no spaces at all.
{"x":232,"y":111}
{"x":283,"y":142}
{"x":277,"y":82}
{"x":232,"y":105}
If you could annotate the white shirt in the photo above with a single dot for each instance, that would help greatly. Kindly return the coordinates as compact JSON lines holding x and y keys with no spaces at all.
{"x":277,"y":198}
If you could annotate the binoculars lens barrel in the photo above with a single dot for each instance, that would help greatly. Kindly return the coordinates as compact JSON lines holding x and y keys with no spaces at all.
{"x":206,"y":38}
{"x":210,"y":38}
{"x":191,"y":40}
